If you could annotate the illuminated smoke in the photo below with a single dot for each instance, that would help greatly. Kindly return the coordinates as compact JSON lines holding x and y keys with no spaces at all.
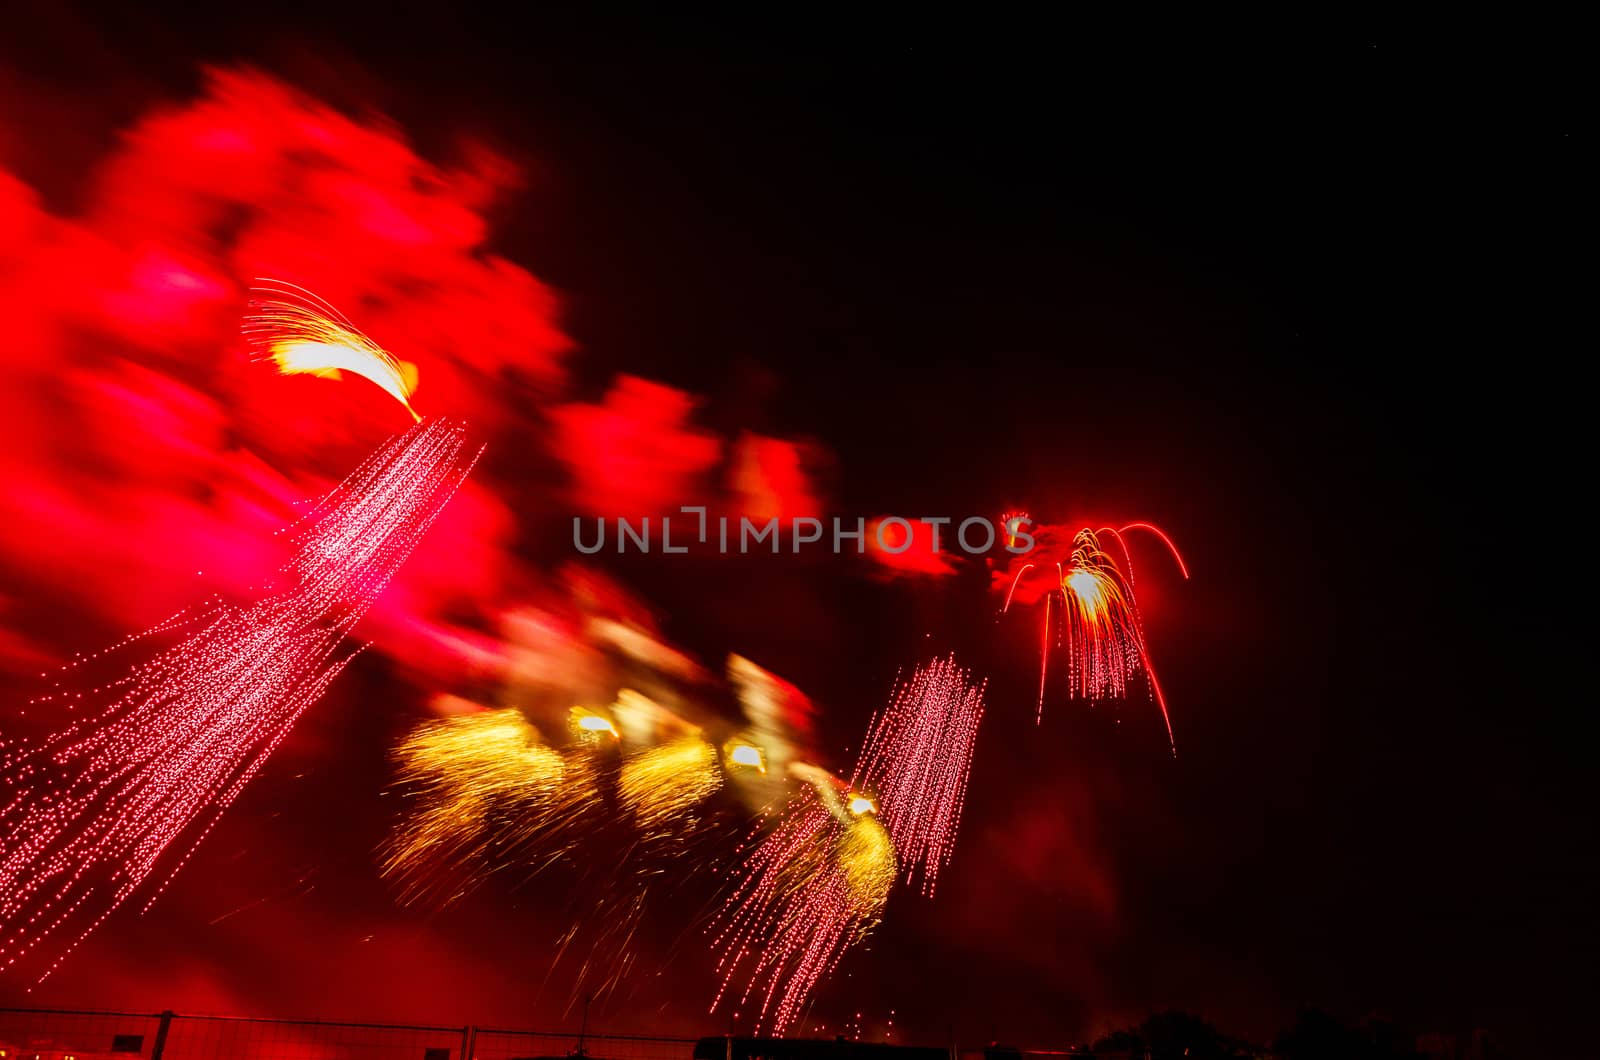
{"x":88,"y":814}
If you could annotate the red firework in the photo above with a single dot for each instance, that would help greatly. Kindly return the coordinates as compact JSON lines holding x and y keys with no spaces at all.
{"x":87,"y":814}
{"x":916,"y":761}
{"x":1095,"y":620}
{"x":819,"y":881}
{"x":814,"y":885}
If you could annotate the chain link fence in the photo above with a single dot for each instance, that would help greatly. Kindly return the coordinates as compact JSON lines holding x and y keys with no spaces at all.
{"x":60,"y":1034}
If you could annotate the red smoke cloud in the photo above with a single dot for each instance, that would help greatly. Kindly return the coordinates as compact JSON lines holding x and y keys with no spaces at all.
{"x":148,"y":460}
{"x":770,"y":478}
{"x":638,"y":453}
{"x":635,"y":453}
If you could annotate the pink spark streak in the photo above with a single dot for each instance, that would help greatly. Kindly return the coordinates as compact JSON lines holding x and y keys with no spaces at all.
{"x":88,"y":813}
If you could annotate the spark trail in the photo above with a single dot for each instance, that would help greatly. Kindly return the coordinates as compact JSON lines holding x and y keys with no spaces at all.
{"x":916,"y":760}
{"x":90,"y":813}
{"x":815,"y":885}
{"x":1099,"y":627}
{"x":304,"y":335}
{"x":819,"y":881}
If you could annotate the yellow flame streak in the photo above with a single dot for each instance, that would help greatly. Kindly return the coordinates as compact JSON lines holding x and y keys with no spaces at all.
{"x":588,"y":724}
{"x":866,"y":858}
{"x":1091,"y":585}
{"x":742,"y":753}
{"x":668,"y":781}
{"x":464,"y":767}
{"x":303,"y":335}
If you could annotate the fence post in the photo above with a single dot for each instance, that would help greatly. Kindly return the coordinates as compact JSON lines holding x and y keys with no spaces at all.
{"x":469,"y":1042}
{"x":161,"y":1035}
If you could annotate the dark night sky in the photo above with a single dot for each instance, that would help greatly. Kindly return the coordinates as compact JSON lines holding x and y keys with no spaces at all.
{"x":1298,"y":301}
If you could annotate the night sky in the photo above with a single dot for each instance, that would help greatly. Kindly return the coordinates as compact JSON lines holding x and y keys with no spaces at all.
{"x":1300,"y":303}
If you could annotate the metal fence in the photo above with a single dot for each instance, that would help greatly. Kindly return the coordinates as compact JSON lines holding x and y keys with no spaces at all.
{"x":59,"y":1034}
{"x":62,"y":1034}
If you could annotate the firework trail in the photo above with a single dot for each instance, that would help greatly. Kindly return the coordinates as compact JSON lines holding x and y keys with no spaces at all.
{"x":815,"y":885}
{"x":88,"y":814}
{"x":469,"y":770}
{"x":819,"y":881}
{"x":486,"y":798}
{"x":1097,"y":623}
{"x":303,"y":335}
{"x":916,"y":760}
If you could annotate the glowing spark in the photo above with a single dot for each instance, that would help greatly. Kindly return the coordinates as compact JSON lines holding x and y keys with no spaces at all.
{"x":302,"y":334}
{"x":1099,"y":623}
{"x":666,"y":782}
{"x":916,"y":759}
{"x":818,"y":882}
{"x":468,"y":766}
{"x":1012,"y":522}
{"x":589,"y":724}
{"x":88,"y":813}
{"x":814,"y":886}
{"x":740,"y":753}
{"x":1026,"y":567}
{"x":866,"y":858}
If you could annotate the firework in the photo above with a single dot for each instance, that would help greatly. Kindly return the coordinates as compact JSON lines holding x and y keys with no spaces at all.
{"x":819,"y":881}
{"x":88,"y":814}
{"x":816,"y":884}
{"x":487,"y":793}
{"x":303,"y":335}
{"x":469,"y":766}
{"x":665,"y":783}
{"x":916,"y":760}
{"x":1093,"y":616}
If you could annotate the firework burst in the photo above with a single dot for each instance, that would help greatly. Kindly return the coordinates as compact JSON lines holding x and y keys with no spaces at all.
{"x":89,"y":813}
{"x":1092,"y":615}
{"x":818,"y":882}
{"x":916,"y":760}
{"x":304,"y":335}
{"x":469,"y":768}
{"x":815,"y":885}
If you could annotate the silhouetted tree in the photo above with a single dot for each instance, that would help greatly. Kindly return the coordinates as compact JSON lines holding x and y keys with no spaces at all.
{"x":1317,"y":1035}
{"x":1126,"y":1041}
{"x":1172,"y":1035}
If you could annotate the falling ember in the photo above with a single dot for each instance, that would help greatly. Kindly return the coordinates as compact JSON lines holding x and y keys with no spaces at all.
{"x":303,"y":335}
{"x":90,"y":811}
{"x":819,"y":881}
{"x":664,"y":783}
{"x":1099,"y":626}
{"x":917,"y":757}
{"x":468,"y":766}
{"x":816,"y":884}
